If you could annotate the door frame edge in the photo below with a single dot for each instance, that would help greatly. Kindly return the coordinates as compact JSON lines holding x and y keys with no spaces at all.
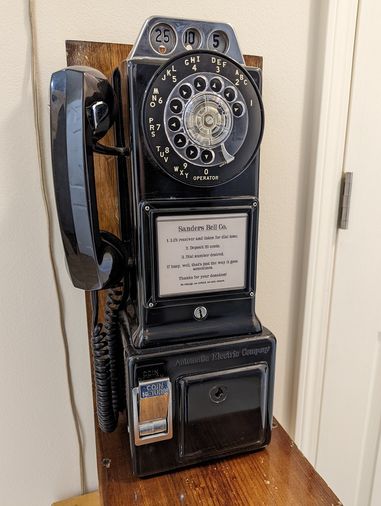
{"x":328,"y":167}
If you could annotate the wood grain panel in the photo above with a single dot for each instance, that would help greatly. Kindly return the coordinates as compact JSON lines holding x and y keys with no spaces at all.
{"x":279,"y":475}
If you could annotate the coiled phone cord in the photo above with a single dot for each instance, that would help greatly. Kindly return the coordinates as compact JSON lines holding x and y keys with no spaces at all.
{"x":108,"y":360}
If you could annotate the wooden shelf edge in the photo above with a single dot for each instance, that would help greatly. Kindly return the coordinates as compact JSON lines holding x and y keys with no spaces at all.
{"x":92,"y":499}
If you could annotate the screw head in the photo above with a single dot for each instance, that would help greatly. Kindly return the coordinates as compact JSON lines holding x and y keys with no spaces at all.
{"x":251,"y":294}
{"x":150,"y":304}
{"x":200,"y":313}
{"x":146,"y":208}
{"x":255,"y":204}
{"x":106,"y":463}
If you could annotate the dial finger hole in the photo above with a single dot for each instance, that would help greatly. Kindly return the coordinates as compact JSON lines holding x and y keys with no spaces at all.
{"x":238,"y":109}
{"x":216,"y":84}
{"x":191,"y":152}
{"x":180,"y":140}
{"x":229,"y":93}
{"x":176,"y":106}
{"x":185,"y":91}
{"x":174,"y":124}
{"x":207,"y":156}
{"x":199,"y":83}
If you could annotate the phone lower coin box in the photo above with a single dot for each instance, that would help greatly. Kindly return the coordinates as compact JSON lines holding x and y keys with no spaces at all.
{"x":197,"y":403}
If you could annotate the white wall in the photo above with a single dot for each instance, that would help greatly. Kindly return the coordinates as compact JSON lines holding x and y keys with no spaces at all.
{"x":38,"y":451}
{"x":37,"y":441}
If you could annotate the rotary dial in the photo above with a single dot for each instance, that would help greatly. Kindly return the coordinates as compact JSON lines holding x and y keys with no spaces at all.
{"x":203,"y":118}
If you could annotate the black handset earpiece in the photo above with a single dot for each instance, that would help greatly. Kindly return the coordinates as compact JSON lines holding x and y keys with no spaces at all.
{"x":82,"y":110}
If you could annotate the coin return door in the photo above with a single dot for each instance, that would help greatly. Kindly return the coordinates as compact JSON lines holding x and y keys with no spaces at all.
{"x":152,"y":411}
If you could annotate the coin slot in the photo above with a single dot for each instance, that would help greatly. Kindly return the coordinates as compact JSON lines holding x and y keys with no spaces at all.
{"x":191,"y":39}
{"x":163,"y":38}
{"x":152,"y":411}
{"x":218,"y":41}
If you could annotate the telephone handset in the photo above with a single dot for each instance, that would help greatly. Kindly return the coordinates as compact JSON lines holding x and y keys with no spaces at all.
{"x":182,"y":274}
{"x":83,"y":107}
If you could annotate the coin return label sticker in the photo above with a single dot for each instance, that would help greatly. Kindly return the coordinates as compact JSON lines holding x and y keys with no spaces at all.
{"x":201,"y":253}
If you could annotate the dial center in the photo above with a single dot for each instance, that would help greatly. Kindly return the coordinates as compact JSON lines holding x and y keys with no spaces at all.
{"x":207,"y":120}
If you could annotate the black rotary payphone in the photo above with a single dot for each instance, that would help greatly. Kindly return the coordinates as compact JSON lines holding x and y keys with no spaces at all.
{"x":181,"y":348}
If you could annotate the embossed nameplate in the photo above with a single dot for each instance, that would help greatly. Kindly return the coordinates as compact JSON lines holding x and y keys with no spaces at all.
{"x":201,"y":253}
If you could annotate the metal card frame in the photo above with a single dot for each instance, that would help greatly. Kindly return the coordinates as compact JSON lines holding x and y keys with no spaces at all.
{"x":150,"y":210}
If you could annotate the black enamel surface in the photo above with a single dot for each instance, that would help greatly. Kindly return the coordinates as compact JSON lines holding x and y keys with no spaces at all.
{"x":92,"y":259}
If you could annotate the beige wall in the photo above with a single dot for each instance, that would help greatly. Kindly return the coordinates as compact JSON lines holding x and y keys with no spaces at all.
{"x":37,"y":439}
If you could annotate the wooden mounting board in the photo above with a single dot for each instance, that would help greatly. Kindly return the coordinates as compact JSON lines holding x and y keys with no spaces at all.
{"x":279,"y":475}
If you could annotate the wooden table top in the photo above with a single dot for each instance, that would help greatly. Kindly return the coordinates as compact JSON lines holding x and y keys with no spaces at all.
{"x":278,"y":475}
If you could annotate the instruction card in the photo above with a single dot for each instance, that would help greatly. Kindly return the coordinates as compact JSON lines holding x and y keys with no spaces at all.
{"x":201,"y":253}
